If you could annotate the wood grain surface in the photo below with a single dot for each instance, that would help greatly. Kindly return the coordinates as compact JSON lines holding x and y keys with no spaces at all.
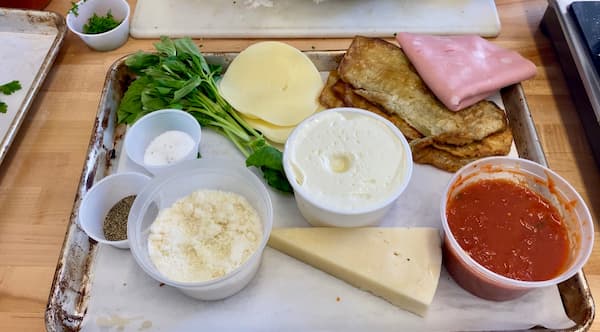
{"x":39,"y":177}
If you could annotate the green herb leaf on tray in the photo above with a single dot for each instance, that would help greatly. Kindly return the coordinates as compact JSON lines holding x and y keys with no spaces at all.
{"x":178,"y":76}
{"x":266,"y":156}
{"x":166,"y":47}
{"x":131,"y":108}
{"x":10,"y":87}
{"x":99,"y":24}
{"x":140,"y":61}
{"x":277,"y":179}
{"x":74,"y":8}
{"x":270,"y":161}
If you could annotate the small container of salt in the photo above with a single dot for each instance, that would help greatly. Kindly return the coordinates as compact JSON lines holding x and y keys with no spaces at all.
{"x":162,"y":139}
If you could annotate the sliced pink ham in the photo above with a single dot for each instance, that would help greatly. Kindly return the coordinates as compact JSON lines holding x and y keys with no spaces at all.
{"x":462,"y":70}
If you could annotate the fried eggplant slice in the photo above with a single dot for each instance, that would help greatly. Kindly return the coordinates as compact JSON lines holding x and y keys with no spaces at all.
{"x":423,"y":152}
{"x":328,"y":97}
{"x":452,"y":157}
{"x":351,"y":99}
{"x":497,"y":144}
{"x":337,"y":93}
{"x":381,"y":73}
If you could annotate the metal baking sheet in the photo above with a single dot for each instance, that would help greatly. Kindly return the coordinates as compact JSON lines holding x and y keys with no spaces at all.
{"x":72,"y":287}
{"x":30,"y":42}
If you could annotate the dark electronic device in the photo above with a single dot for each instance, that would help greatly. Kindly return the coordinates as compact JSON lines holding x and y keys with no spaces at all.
{"x":586,"y":14}
{"x":575,"y":34}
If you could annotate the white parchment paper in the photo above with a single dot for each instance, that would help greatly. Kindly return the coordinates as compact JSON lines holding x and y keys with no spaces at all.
{"x":21,"y":56}
{"x":288,"y":295}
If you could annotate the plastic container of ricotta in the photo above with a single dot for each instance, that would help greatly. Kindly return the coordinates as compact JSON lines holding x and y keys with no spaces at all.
{"x":182,"y":180}
{"x":363,"y":193}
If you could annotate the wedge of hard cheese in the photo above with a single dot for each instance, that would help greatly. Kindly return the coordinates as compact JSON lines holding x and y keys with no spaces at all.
{"x":401,"y":265}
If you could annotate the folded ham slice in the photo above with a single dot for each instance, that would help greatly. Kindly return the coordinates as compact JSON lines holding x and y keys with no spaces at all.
{"x":462,"y":70}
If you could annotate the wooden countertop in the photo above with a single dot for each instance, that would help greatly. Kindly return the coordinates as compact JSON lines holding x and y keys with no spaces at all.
{"x":39,"y":177}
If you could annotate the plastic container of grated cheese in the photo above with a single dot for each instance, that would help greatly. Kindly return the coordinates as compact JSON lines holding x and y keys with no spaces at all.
{"x":181,"y":180}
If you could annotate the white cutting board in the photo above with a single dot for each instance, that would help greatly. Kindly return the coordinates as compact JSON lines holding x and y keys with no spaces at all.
{"x":305,"y":18}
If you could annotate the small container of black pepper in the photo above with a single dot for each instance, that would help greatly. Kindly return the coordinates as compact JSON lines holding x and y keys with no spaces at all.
{"x":105,"y":208}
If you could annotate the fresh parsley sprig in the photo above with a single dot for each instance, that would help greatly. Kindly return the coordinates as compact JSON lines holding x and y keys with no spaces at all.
{"x":178,"y":76}
{"x":75,"y":8}
{"x":99,"y":24}
{"x":8,"y":89}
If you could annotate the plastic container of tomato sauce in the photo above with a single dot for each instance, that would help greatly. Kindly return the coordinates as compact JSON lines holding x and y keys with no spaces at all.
{"x":24,"y":4}
{"x":490,"y":247}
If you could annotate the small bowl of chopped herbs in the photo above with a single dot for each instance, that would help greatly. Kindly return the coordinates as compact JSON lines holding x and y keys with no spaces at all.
{"x":104,"y":210}
{"x":102,"y":24}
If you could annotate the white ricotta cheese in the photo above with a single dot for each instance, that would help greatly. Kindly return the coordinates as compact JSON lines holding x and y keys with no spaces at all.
{"x":204,"y":236}
{"x":347,"y":161}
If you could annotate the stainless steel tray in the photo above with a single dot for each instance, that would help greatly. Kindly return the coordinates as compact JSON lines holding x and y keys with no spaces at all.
{"x":33,"y":60}
{"x":69,"y":295}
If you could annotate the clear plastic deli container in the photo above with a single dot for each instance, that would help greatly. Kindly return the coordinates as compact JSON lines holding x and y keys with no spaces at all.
{"x":484,"y":283}
{"x":181,"y":180}
{"x":349,"y":161}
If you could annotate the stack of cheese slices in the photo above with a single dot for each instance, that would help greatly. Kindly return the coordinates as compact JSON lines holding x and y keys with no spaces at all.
{"x":274,"y":86}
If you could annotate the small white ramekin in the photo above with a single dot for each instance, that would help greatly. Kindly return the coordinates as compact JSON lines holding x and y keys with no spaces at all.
{"x":151,"y":125}
{"x":108,"y":40}
{"x":104,"y":195}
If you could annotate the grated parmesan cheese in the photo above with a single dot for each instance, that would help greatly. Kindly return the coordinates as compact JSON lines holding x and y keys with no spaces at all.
{"x":204,"y":236}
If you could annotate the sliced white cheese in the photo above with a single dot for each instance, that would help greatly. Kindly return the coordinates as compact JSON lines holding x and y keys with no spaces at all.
{"x":401,"y":265}
{"x":274,"y":82}
{"x":277,"y":134}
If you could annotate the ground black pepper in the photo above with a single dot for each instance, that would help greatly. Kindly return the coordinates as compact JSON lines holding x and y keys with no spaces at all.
{"x":115,"y":222}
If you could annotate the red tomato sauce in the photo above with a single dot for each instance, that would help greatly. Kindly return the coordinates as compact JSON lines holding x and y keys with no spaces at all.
{"x":509,"y":229}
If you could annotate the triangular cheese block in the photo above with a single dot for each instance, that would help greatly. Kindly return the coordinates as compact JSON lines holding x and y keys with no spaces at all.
{"x":401,"y":265}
